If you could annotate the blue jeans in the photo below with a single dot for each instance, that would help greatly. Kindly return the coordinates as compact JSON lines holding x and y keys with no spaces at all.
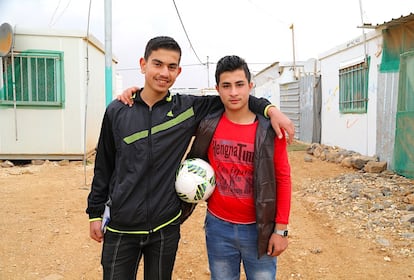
{"x":121,"y":254}
{"x":230,"y":244}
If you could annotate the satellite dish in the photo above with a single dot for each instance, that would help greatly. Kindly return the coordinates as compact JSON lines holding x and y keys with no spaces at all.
{"x":6,"y":39}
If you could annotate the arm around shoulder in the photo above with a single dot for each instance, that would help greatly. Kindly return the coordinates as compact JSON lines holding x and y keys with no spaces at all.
{"x":281,"y":121}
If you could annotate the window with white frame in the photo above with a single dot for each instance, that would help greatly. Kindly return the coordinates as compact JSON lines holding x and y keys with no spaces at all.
{"x":353,"y":86}
{"x":37,"y":77}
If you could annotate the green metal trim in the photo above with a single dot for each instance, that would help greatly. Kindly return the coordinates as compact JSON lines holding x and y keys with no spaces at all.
{"x":351,"y":79}
{"x":59,"y":55}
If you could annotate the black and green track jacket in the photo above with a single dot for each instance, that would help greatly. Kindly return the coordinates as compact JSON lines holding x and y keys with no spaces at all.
{"x":138,"y":153}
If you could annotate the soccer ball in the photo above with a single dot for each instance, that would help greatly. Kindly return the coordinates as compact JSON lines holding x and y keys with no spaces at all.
{"x":195,"y":180}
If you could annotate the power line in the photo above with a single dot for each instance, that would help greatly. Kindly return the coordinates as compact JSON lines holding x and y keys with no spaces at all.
{"x":54,"y":14}
{"x":185,"y":31}
{"x":53,"y":20}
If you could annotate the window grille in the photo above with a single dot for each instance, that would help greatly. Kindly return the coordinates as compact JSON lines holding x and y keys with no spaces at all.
{"x":353,"y":88}
{"x":38,"y":79}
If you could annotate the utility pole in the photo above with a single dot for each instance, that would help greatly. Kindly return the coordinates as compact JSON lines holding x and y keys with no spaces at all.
{"x":293,"y":46}
{"x":108,"y":51}
{"x":363,"y":33}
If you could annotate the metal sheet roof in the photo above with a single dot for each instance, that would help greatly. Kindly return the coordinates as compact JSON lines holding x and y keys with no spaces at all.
{"x":392,"y":22}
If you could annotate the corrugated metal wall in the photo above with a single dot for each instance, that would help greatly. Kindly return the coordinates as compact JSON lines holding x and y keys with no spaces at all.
{"x":386,"y":114}
{"x":290,"y":104}
{"x":301,"y":102}
{"x":310,"y":109}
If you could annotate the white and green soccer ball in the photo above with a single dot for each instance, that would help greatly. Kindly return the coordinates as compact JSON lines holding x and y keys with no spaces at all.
{"x":195,"y":180}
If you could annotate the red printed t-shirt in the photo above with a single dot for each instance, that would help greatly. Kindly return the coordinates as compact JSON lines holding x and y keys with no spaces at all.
{"x":231,"y":154}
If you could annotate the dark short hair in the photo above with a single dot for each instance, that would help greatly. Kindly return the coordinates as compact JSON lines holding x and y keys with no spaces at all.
{"x":161,"y":42}
{"x":231,"y":63}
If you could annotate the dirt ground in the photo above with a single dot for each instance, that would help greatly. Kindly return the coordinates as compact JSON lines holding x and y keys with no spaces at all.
{"x":45,"y":231}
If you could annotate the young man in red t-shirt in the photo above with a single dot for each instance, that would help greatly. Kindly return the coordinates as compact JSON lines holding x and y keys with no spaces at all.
{"x":248,"y":212}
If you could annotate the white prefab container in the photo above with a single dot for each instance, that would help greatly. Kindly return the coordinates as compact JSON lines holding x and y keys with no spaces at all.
{"x":352,"y":131}
{"x":56,"y":108}
{"x":367,"y":93}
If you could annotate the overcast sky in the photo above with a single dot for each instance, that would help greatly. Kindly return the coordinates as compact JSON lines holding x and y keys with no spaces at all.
{"x":257,"y":30}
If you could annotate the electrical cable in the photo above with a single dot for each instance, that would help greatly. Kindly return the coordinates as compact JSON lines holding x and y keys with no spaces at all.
{"x":61,"y":14}
{"x":186,"y":34}
{"x":54,"y":13}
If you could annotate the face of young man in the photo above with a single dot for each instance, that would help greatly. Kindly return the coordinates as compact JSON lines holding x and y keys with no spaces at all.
{"x":161,"y":70}
{"x":234,"y":90}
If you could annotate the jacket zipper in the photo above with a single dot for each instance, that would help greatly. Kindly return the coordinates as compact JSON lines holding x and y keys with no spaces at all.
{"x":149,"y":186}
